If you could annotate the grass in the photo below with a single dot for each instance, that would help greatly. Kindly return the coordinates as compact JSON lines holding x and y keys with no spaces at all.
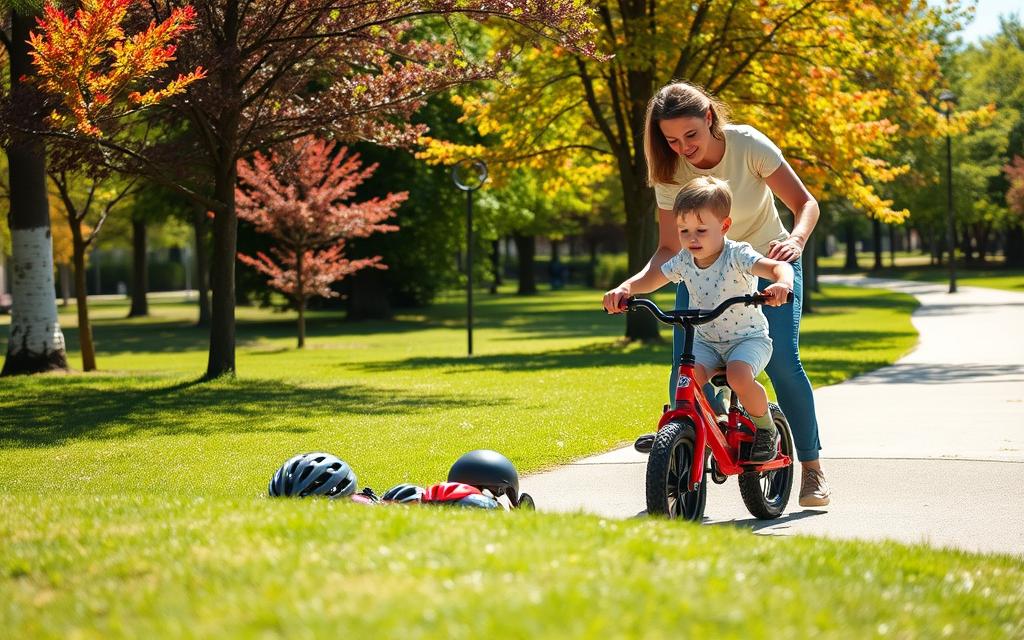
{"x":914,"y":266}
{"x":132,"y":500}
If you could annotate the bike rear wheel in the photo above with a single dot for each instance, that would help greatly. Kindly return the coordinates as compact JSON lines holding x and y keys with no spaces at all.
{"x":766,"y":494}
{"x":668,"y":475}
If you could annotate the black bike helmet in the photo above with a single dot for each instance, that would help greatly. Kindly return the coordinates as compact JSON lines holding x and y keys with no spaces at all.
{"x":486,"y":469}
{"x":313,"y":474}
{"x":404,"y":493}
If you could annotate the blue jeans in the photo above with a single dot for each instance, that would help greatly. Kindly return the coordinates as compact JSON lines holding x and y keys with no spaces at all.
{"x":785,"y":370}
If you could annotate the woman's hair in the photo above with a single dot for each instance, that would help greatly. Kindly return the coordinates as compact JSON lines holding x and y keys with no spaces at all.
{"x":676,"y":100}
{"x":704,"y":194}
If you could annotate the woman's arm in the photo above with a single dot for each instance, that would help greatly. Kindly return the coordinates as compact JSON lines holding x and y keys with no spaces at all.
{"x":668,"y":246}
{"x":787,"y":186}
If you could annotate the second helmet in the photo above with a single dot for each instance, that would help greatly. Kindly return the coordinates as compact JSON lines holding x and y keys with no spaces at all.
{"x":486,"y":469}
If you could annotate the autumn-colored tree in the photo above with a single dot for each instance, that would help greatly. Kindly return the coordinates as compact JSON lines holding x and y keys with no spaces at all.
{"x":301,"y":198}
{"x":101,"y":73}
{"x":95,"y":197}
{"x":93,"y":73}
{"x":832,"y":83}
{"x":285,"y":69}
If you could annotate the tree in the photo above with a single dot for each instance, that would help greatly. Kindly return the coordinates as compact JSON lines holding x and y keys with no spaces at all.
{"x":36,"y":343}
{"x":301,"y":200}
{"x":99,"y":195}
{"x":286,"y":69}
{"x":834,"y":84}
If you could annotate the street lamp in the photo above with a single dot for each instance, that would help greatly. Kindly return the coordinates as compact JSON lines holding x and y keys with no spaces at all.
{"x":469,"y":175}
{"x":948,"y":100}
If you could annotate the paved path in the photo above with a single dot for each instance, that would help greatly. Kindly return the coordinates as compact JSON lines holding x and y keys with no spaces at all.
{"x":928,"y":450}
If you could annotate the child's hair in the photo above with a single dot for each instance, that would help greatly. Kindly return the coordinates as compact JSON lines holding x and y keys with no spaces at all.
{"x":676,"y":100}
{"x":704,"y":194}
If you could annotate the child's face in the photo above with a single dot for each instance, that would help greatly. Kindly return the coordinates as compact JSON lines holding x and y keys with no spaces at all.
{"x":703,"y":235}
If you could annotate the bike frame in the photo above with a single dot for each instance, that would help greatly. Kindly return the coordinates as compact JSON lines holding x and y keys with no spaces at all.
{"x":691,"y":404}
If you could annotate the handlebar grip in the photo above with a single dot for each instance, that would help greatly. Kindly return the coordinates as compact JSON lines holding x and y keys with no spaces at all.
{"x":758,"y":298}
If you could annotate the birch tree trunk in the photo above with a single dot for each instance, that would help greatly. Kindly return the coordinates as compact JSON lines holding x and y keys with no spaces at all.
{"x":36,"y":343}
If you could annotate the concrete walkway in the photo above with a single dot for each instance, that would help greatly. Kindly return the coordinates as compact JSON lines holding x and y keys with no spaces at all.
{"x":928,"y":450}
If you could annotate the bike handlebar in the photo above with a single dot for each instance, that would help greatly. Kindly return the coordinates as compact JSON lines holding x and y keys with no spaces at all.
{"x":696,"y":316}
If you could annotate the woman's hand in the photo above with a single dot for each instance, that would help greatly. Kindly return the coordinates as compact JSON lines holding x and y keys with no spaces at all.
{"x":615,"y":299}
{"x":789,"y":250}
{"x":776,"y":294}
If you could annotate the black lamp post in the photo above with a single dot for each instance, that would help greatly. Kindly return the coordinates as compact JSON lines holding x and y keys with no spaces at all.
{"x":948,"y":100}
{"x":469,"y":175}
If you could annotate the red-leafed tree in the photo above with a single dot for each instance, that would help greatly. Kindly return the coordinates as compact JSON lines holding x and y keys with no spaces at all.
{"x":281,"y":70}
{"x":300,"y":198}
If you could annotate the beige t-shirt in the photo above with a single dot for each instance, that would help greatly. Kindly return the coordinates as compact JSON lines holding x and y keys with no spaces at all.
{"x":749,"y":158}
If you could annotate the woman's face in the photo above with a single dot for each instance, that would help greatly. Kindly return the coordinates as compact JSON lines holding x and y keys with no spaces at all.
{"x":688,"y":137}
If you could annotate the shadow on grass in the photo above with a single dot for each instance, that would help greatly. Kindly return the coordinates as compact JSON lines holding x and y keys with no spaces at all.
{"x":68,"y":408}
{"x":597,"y":355}
{"x":616,"y":354}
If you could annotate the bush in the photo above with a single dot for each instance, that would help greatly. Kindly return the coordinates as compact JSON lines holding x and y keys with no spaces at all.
{"x":612,"y":269}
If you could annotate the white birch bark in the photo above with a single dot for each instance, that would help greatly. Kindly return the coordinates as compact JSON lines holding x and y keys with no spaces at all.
{"x":35,"y":330}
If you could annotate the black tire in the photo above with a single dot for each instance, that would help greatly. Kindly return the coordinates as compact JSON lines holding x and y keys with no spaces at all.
{"x":668,"y":472}
{"x":526,"y":502}
{"x":766,"y":494}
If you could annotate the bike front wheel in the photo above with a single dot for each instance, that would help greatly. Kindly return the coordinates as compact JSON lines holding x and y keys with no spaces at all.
{"x":668,"y":475}
{"x":766,"y":494}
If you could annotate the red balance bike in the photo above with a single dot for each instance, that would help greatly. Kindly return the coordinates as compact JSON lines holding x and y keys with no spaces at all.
{"x":693,"y":442}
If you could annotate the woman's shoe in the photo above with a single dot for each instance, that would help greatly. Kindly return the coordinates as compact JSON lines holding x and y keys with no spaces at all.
{"x":814,"y":490}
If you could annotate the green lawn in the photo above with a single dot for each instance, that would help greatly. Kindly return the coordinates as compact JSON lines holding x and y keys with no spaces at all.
{"x":914,"y":266}
{"x":132,"y":500}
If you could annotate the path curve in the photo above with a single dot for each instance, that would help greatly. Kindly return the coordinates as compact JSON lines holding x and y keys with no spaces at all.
{"x":930,"y":449}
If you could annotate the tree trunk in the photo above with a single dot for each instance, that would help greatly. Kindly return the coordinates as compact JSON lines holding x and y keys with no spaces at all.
{"x":368,"y":297}
{"x":65,"y":283}
{"x":496,"y":265}
{"x":1015,"y":246}
{"x":892,"y":246}
{"x":140,"y":281}
{"x":300,"y":298}
{"x":199,"y":226}
{"x":851,"y":248}
{"x":84,"y":328}
{"x":526,"y":248}
{"x":222,"y":277}
{"x":876,"y":239}
{"x":36,"y":342}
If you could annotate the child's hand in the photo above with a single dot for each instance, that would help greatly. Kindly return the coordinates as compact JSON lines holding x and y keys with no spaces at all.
{"x":776,"y":294}
{"x":615,"y":299}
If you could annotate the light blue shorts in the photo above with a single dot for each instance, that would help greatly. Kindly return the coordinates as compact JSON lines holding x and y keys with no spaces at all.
{"x":713,"y":356}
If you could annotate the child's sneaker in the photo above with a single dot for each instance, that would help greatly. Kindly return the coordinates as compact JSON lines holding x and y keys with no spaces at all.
{"x":645,"y":443}
{"x":766,"y":445}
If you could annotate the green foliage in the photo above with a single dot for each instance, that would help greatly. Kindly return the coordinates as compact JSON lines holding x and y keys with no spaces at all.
{"x":612,"y":269}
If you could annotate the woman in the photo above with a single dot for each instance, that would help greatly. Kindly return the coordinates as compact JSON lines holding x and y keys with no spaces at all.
{"x":686,"y":135}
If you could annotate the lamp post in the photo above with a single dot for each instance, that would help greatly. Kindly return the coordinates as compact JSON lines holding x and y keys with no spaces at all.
{"x":948,"y":100}
{"x":469,"y":175}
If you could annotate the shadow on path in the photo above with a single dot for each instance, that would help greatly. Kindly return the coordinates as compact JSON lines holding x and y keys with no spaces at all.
{"x":755,"y":524}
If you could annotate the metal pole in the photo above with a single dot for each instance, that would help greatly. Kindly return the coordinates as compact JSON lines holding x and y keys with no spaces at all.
{"x":950,"y":228}
{"x":469,"y":271}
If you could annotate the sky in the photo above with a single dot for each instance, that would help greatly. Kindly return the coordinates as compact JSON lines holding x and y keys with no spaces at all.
{"x":986,"y":18}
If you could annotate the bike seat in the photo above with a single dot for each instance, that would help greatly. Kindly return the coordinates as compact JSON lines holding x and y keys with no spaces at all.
{"x":720,"y":380}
